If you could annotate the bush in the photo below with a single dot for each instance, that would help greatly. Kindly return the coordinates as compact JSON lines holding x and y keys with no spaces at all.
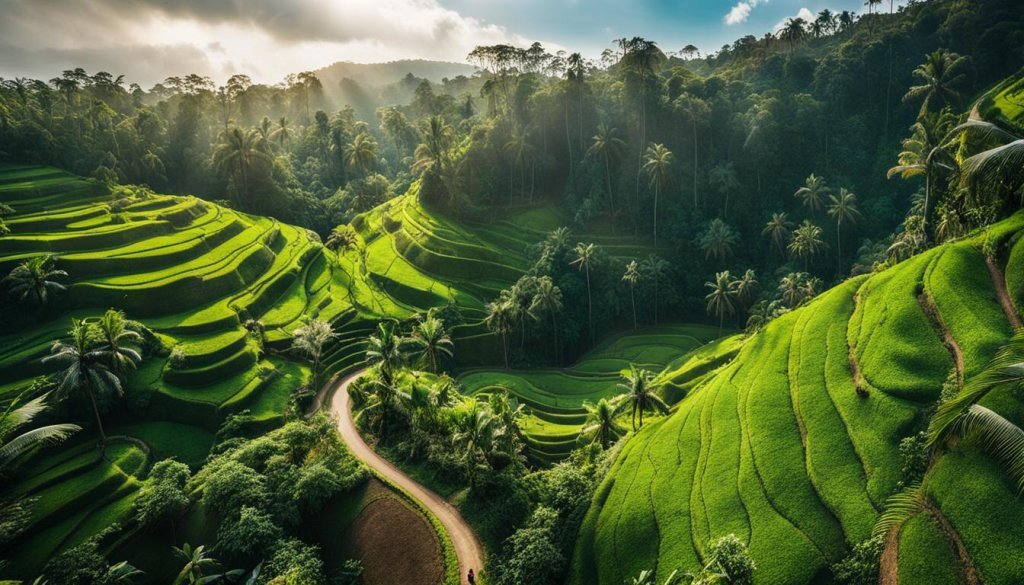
{"x":731,"y":556}
{"x":294,"y":563}
{"x":163,"y":494}
{"x":861,"y":566}
{"x":530,"y":554}
{"x":251,"y":534}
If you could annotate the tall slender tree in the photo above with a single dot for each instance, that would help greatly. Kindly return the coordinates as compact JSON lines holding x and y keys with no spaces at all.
{"x":584,"y":260}
{"x":842,"y":208}
{"x":657,"y":162}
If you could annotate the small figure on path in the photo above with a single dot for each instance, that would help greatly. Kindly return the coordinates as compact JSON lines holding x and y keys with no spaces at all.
{"x":472,"y":577}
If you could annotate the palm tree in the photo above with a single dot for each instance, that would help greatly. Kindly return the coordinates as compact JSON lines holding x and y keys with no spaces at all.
{"x":813,"y":193}
{"x":871,"y":4}
{"x":14,"y":443}
{"x":117,"y":338}
{"x":585,"y":254}
{"x":35,"y":280}
{"x":475,"y":440}
{"x":940,"y":76}
{"x":794,"y":31}
{"x":386,"y":350}
{"x":632,"y":276}
{"x":310,"y":340}
{"x":610,"y":148}
{"x":523,"y":155}
{"x":718,"y":240}
{"x":235,"y":154}
{"x":696,"y":110}
{"x":806,"y":242}
{"x":924,"y":153}
{"x":361,"y":153}
{"x":431,"y":340}
{"x":283,"y":133}
{"x":657,"y":162}
{"x":198,"y":566}
{"x":547,"y":298}
{"x":83,"y":368}
{"x":994,"y":165}
{"x":655,"y":269}
{"x":963,"y":416}
{"x":636,"y":382}
{"x":843,"y":208}
{"x":499,"y":320}
{"x":342,"y":239}
{"x":720,"y":299}
{"x":745,"y":287}
{"x":600,"y":425}
{"x":432,"y":153}
{"x":778,"y":229}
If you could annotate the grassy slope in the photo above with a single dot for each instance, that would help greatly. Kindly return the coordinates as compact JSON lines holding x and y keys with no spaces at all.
{"x":777,"y":446}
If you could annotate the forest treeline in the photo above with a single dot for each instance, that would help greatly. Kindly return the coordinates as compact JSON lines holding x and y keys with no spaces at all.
{"x":700,"y":154}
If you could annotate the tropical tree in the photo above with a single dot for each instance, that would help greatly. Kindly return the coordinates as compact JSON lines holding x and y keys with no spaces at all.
{"x":609,"y":148}
{"x":310,"y":340}
{"x":117,"y":339}
{"x":998,"y":166}
{"x":283,"y":132}
{"x":600,"y":425}
{"x":794,"y":32}
{"x":940,"y":77}
{"x":813,"y":193}
{"x":655,"y":269}
{"x":639,"y":391}
{"x":83,"y":368}
{"x":547,"y":299}
{"x":430,"y":340}
{"x":843,"y":208}
{"x":657,"y":162}
{"x":806,"y":242}
{"x":718,"y":240}
{"x":16,"y":440}
{"x":963,"y":416}
{"x":523,"y":155}
{"x":386,"y":350}
{"x":720,"y":299}
{"x":235,"y":154}
{"x":476,"y":440}
{"x":500,"y":321}
{"x":925,"y":154}
{"x":778,"y":229}
{"x":199,"y":567}
{"x":871,"y":4}
{"x":361,"y":153}
{"x":745,"y":287}
{"x":632,"y":276}
{"x":584,"y":259}
{"x":35,"y":280}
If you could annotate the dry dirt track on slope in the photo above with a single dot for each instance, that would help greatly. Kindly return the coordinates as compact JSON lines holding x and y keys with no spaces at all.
{"x":467,"y":547}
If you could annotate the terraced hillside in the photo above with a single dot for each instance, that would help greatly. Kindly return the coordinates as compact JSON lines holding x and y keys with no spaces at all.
{"x":554,"y":397}
{"x":794,"y":444}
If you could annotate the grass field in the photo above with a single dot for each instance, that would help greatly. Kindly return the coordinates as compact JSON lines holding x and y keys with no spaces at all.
{"x":554,"y":398}
{"x":778,"y":446}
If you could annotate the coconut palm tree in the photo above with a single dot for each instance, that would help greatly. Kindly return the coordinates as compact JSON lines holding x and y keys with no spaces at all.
{"x":475,"y":439}
{"x":720,"y":299}
{"x":584,"y":259}
{"x":871,"y":4}
{"x":500,"y":321}
{"x":639,"y":391}
{"x":83,"y":369}
{"x":794,"y":32}
{"x":200,"y":568}
{"x":940,"y":76}
{"x":813,"y":193}
{"x":523,"y":155}
{"x":117,"y":339}
{"x":962,"y":415}
{"x":431,"y":341}
{"x":600,"y":425}
{"x":842,"y":207}
{"x":632,"y":276}
{"x":235,"y":155}
{"x":745,"y":287}
{"x":386,"y":350}
{"x":35,"y":280}
{"x":361,"y":153}
{"x":657,"y":162}
{"x":14,"y":442}
{"x":695,"y":110}
{"x":609,"y":148}
{"x":432,"y":153}
{"x":718,"y":240}
{"x":310,"y":340}
{"x":655,"y":269}
{"x":806,"y":242}
{"x":925,"y":154}
{"x":778,"y":229}
{"x":283,"y":133}
{"x":547,"y":298}
{"x":997,"y":166}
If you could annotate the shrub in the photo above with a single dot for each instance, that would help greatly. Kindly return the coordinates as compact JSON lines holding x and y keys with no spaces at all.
{"x":530,"y":554}
{"x":163,"y":494}
{"x":916,"y":457}
{"x":861,"y":566}
{"x":178,"y":358}
{"x":294,"y":563}
{"x":731,"y":556}
{"x":253,"y":532}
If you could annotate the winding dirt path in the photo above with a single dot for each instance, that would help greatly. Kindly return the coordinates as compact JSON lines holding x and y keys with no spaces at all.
{"x":1004,"y":296}
{"x":467,"y":547}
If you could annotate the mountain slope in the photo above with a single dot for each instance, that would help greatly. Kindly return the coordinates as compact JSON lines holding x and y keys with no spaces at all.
{"x":794,"y":445}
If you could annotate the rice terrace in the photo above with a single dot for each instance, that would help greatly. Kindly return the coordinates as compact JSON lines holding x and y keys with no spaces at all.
{"x":437,"y":292}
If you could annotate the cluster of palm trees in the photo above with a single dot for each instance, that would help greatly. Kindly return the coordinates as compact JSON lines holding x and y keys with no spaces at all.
{"x":638,"y":393}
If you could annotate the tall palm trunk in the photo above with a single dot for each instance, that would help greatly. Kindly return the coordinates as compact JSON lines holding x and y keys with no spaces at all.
{"x":695,"y":162}
{"x":590,"y":307}
{"x":632,"y":300}
{"x":568,"y":136}
{"x":99,"y":423}
{"x":554,"y":329}
{"x":839,"y":247}
{"x":657,"y":188}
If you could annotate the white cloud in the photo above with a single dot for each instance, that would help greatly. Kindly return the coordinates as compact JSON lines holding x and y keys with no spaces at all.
{"x":266,"y":39}
{"x":803,"y":13}
{"x":741,"y":11}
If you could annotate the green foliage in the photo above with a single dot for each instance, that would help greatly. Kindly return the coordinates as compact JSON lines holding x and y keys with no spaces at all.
{"x":163,"y":494}
{"x":861,"y":566}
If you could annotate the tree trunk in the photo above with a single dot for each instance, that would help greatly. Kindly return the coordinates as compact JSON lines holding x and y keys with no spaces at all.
{"x":656,"y":189}
{"x":695,"y":162}
{"x":839,"y":248}
{"x":99,"y":423}
{"x":632,"y":300}
{"x":568,"y":135}
{"x":590,"y":308}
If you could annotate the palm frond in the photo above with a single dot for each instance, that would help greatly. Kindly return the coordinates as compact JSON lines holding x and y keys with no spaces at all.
{"x":984,"y":131}
{"x":899,"y":508}
{"x":998,"y":436}
{"x":22,"y":443}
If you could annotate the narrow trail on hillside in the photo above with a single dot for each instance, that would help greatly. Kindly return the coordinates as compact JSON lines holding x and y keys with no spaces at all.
{"x":931,"y":310}
{"x":888,"y":565}
{"x":467,"y":547}
{"x":1004,"y":296}
{"x":969,"y":571}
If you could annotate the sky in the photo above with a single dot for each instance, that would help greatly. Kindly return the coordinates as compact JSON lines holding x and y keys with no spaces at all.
{"x":149,"y":40}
